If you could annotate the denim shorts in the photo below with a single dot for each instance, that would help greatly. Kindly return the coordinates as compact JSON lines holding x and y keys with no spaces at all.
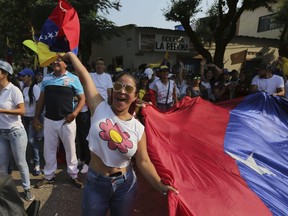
{"x":102,"y":193}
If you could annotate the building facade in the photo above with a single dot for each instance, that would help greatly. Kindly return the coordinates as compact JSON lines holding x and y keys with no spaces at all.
{"x":257,"y":33}
{"x":259,"y":24}
{"x":137,"y":45}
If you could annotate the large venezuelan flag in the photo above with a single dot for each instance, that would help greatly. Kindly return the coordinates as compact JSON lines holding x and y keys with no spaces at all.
{"x":229,"y":159}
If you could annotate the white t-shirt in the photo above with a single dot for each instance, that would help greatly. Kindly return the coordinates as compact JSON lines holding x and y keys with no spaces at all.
{"x":162,"y":91}
{"x":177,"y":92}
{"x":152,"y":84}
{"x":114,"y":140}
{"x":208,"y":87}
{"x":85,"y":108}
{"x":103,"y":82}
{"x":183,"y":86}
{"x":39,"y":85}
{"x":268,"y":85}
{"x":10,"y":97}
{"x":30,"y":109}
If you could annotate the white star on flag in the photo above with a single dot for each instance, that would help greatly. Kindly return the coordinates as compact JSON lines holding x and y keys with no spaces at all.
{"x":250,"y":162}
{"x":50,"y":35}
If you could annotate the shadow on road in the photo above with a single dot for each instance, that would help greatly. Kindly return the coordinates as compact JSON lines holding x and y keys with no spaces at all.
{"x":63,"y":199}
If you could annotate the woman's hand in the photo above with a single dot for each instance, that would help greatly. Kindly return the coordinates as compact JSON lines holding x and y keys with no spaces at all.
{"x":142,"y":103}
{"x":65,"y":56}
{"x":165,"y":188}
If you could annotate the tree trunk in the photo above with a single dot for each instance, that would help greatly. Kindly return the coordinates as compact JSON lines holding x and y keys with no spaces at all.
{"x":283,"y":36}
{"x":219,"y":54}
{"x":196,"y":43}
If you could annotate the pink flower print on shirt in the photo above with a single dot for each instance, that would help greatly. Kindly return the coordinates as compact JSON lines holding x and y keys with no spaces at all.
{"x":115,"y":137}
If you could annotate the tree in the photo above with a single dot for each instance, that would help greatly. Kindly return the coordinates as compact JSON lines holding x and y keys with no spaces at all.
{"x":281,"y":18}
{"x":224,"y":15}
{"x":19,"y":16}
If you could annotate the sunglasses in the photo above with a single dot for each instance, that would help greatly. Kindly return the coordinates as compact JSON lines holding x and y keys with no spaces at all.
{"x":197,"y":78}
{"x":117,"y":87}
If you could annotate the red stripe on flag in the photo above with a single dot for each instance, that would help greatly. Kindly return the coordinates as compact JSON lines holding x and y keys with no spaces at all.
{"x":66,"y":18}
{"x":186,"y":147}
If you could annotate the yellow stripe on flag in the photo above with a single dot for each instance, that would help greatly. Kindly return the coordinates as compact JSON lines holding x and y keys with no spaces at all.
{"x":46,"y":57}
{"x":32,"y":45}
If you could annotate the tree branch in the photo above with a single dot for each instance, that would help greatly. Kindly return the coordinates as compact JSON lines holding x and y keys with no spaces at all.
{"x":283,"y":33}
{"x":220,"y":10}
{"x":195,"y":40}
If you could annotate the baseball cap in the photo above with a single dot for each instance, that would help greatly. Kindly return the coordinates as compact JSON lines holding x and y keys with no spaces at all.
{"x":164,"y":68}
{"x":119,"y":69}
{"x":143,"y":76}
{"x":6,"y":67}
{"x":26,"y":71}
{"x":149,"y":72}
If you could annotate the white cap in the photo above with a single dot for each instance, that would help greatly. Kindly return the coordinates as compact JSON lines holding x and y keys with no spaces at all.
{"x":170,"y":75}
{"x":149,"y":72}
{"x":6,"y":66}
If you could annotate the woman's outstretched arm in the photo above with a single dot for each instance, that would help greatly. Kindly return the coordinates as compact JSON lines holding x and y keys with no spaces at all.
{"x":93,"y":98}
{"x":148,"y":170}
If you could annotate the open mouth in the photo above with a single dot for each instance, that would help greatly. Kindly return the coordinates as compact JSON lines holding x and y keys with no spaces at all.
{"x":121,"y":99}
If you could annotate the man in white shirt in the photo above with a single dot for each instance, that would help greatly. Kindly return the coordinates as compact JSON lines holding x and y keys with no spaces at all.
{"x":102,"y":80}
{"x":268,"y":82}
{"x":151,"y":76}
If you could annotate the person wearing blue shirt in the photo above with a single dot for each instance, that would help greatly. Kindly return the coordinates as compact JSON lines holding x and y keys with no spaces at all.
{"x":57,"y":95}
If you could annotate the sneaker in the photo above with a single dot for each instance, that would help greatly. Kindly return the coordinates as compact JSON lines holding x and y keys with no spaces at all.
{"x":44,"y":182}
{"x":37,"y":170}
{"x":77,"y":183}
{"x":28,"y":195}
{"x":84,"y":169}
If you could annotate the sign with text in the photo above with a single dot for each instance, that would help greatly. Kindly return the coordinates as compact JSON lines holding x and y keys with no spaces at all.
{"x":162,"y":43}
{"x":171,"y":43}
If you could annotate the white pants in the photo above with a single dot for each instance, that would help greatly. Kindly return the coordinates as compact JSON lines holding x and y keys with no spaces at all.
{"x":53,"y":130}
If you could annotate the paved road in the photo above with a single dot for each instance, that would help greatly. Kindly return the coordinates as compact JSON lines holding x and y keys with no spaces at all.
{"x":63,"y":199}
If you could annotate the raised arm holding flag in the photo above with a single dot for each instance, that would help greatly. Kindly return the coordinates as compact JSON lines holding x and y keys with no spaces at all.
{"x":60,"y":34}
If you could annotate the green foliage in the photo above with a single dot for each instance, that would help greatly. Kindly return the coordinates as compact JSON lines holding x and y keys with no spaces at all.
{"x":281,"y":17}
{"x":181,"y":9}
{"x":282,"y":12}
{"x":18,"y":16}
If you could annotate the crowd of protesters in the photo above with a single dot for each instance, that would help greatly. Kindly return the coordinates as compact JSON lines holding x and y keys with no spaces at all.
{"x":57,"y":108}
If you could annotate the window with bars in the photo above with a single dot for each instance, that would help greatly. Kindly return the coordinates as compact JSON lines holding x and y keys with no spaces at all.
{"x":266,"y":23}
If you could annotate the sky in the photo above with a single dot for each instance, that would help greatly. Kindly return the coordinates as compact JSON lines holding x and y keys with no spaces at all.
{"x":146,"y":13}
